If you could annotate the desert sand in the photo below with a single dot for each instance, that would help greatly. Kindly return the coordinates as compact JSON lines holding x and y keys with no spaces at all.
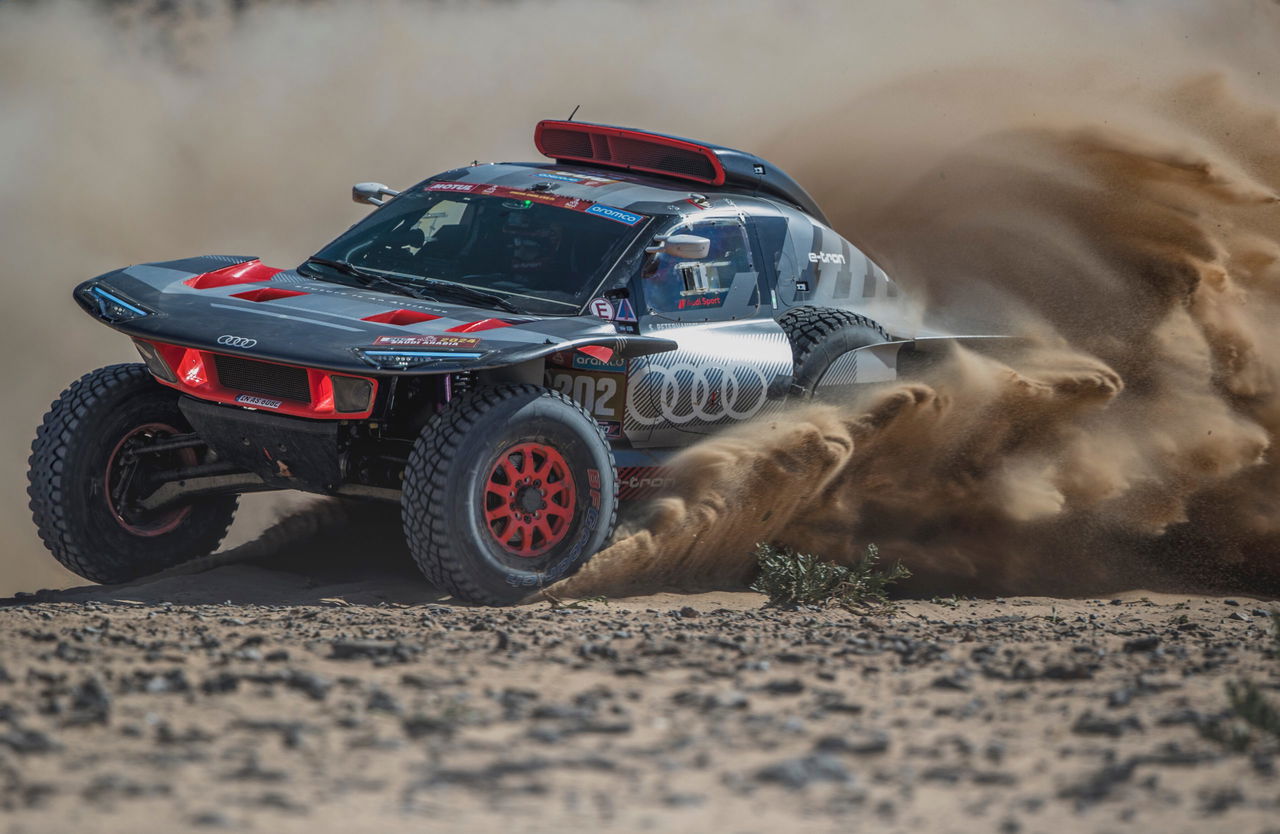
{"x":295,"y":692}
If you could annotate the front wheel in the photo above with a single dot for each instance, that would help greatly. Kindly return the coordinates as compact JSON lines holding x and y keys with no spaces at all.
{"x":507,"y":490}
{"x":90,"y":466}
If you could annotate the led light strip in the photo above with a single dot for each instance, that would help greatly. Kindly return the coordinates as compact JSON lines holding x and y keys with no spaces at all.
{"x":98,"y":291}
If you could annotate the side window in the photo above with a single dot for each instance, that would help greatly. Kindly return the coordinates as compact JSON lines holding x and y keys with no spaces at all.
{"x":722,"y":285}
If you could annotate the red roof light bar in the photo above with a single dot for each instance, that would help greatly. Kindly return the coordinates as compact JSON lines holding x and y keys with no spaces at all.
{"x":633,"y":150}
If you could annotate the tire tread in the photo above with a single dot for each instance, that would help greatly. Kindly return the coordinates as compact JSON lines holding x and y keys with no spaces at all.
{"x":427,"y":471}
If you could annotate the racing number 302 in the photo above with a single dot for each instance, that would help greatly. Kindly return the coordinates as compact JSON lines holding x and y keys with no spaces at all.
{"x":595,"y":392}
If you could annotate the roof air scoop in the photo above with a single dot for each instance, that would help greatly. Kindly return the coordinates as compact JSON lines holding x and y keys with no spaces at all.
{"x":669,"y":156}
{"x":633,"y":150}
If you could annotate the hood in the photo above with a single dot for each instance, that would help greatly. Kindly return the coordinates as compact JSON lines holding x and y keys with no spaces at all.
{"x":237,"y":304}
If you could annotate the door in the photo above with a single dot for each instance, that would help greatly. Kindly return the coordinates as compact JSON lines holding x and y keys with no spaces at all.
{"x":734,"y":360}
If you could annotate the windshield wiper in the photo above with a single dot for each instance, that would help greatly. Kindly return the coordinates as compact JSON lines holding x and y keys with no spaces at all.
{"x":369,"y":279}
{"x":444,"y":287}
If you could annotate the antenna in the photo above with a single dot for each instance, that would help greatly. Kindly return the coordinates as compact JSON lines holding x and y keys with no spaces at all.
{"x":574,"y":113}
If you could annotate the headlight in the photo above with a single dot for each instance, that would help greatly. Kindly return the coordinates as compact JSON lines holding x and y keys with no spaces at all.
{"x":351,"y":395}
{"x":115,"y":308}
{"x":400,"y":359}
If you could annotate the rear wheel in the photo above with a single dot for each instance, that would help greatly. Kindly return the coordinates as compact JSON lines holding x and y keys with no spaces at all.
{"x":819,"y":335}
{"x":89,"y":468}
{"x":509,"y":489}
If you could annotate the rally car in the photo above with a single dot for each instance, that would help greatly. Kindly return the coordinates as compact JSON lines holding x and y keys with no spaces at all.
{"x":508,"y":350}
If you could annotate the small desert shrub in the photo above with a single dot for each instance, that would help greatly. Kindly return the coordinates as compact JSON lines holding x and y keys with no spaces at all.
{"x":1275,"y":634}
{"x":1252,"y":720}
{"x":789,"y":578}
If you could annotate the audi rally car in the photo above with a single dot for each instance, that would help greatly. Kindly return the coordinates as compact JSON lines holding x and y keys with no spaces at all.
{"x":507,"y":350}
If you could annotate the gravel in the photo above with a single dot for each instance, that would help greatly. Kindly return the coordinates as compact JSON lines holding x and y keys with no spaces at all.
{"x":688,"y":712}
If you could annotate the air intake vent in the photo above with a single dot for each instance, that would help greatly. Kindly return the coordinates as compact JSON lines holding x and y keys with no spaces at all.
{"x":566,"y":144}
{"x":633,"y":150}
{"x":267,"y":294}
{"x":268,"y":379}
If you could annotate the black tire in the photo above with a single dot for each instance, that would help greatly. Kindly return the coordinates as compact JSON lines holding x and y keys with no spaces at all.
{"x":818,"y":336}
{"x":449,"y":493}
{"x":71,"y":466}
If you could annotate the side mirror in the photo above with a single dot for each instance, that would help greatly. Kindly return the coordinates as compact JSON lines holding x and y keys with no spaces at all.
{"x":690,"y":247}
{"x":371,"y":193}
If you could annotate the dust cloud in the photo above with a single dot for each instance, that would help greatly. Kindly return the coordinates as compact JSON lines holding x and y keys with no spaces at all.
{"x":1099,"y":173}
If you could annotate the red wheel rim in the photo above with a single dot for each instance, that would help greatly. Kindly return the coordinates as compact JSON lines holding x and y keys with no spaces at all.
{"x":529,"y":499}
{"x":153,"y":525}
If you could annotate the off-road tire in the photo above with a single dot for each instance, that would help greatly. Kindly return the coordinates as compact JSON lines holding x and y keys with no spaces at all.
{"x":68,"y":465}
{"x":448,"y":478}
{"x":818,"y":336}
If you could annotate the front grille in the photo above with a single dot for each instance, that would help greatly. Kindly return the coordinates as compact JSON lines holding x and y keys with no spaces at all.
{"x":266,"y":378}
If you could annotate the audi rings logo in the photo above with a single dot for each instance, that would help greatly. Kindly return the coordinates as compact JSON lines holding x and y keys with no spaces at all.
{"x":684,"y":393}
{"x":237,"y":341}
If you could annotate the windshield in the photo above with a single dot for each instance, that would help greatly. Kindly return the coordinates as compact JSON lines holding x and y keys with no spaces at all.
{"x":540,"y":252}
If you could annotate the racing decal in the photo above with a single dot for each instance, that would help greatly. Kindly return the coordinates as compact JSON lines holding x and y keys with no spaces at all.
{"x":702,"y":301}
{"x":808,"y":281}
{"x":612,"y":428}
{"x":602,"y":308}
{"x":602,"y":394}
{"x":515,"y":193}
{"x":827,"y":258}
{"x":615,"y":214}
{"x":258,"y":402}
{"x":594,"y":482}
{"x":561,"y":177}
{"x":625,"y":312}
{"x":578,"y":179}
{"x":844,"y":277}
{"x":583,"y":362}
{"x":642,"y":481}
{"x":427,"y":341}
{"x":685,"y":392}
{"x":869,"y":280}
{"x":545,"y":198}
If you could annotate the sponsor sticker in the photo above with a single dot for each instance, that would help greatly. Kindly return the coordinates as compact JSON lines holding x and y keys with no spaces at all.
{"x":826,"y":258}
{"x":427,"y":341}
{"x":452,"y":186}
{"x":625,"y":312}
{"x":581,"y":179}
{"x":561,"y":177}
{"x":700,"y":301}
{"x":615,"y":214}
{"x":258,"y":402}
{"x":612,"y":429}
{"x":583,"y":362}
{"x":602,"y":308}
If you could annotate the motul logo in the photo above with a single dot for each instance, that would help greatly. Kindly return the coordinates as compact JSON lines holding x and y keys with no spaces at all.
{"x":826,"y":258}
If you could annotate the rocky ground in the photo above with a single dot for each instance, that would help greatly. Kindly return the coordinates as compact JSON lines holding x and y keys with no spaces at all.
{"x":363,"y":702}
